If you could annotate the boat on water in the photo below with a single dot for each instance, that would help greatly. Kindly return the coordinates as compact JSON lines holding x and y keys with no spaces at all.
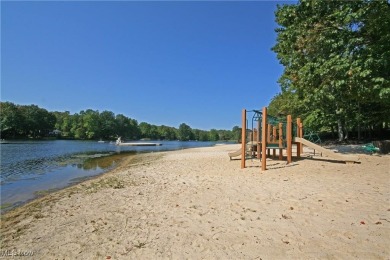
{"x":121,"y":143}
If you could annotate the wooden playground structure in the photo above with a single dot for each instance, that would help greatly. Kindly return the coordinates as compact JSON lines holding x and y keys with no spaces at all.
{"x":270,"y":133}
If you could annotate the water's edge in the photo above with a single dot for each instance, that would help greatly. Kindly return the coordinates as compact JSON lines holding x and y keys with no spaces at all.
{"x":123,"y":162}
{"x":42,"y":194}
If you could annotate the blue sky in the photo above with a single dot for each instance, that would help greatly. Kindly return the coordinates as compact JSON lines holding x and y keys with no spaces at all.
{"x":198,"y":63}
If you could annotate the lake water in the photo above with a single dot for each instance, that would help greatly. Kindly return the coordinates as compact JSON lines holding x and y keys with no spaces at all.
{"x":29,"y":168}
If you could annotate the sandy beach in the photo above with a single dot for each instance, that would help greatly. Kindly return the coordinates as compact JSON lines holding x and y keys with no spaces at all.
{"x":197,"y":204}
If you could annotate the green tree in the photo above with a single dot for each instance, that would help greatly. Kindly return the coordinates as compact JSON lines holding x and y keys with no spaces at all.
{"x":146,"y":130}
{"x":66,"y":125}
{"x":91,"y":123}
{"x":335,"y":56}
{"x":78,"y":130}
{"x":204,"y":136}
{"x":10,"y":120}
{"x":154,"y":133}
{"x":236,"y":133}
{"x":225,"y":135}
{"x":37,"y":122}
{"x":126,"y":127}
{"x":196,"y":133}
{"x":108,"y":124}
{"x":200,"y":135}
{"x":167,"y":133}
{"x":213,"y":135}
{"x":63,"y":123}
{"x":185,"y":132}
{"x":134,"y":130}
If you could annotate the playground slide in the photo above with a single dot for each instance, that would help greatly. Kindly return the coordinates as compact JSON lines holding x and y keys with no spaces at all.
{"x":234,"y":154}
{"x":238,"y":152}
{"x":329,"y":153}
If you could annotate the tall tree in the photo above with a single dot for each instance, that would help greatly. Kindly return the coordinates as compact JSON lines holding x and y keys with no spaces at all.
{"x":336,"y":60}
{"x":146,"y":130}
{"x":122,"y":126}
{"x":91,"y":123}
{"x":236,"y":133}
{"x":213,"y":135}
{"x":10,"y":120}
{"x":185,"y":132}
{"x":107,"y":124}
{"x":166,"y":133}
{"x":37,"y":121}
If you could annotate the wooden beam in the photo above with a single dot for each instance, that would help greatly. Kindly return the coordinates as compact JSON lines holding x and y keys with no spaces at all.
{"x":264,"y":140}
{"x":273,"y":140}
{"x":280,"y":135}
{"x":269,"y":130}
{"x":301,"y":136}
{"x":243,"y":138}
{"x":298,"y":131}
{"x":258,"y":139}
{"x":280,"y":141}
{"x":273,"y":133}
{"x":289,"y":139}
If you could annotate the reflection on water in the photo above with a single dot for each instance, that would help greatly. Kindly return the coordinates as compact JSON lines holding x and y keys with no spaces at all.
{"x":104,"y":162}
{"x":16,"y":191}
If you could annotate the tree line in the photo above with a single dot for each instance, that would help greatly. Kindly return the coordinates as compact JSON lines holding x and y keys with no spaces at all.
{"x":31,"y":121}
{"x":336,"y":58}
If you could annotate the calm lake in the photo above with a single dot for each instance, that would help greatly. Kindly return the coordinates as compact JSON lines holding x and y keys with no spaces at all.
{"x":30,"y":168}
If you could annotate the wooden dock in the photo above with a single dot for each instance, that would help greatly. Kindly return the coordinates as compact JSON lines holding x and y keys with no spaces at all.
{"x":139,"y":144}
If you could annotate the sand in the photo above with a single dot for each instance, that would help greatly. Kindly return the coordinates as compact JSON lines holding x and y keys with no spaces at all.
{"x":196,"y":204}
